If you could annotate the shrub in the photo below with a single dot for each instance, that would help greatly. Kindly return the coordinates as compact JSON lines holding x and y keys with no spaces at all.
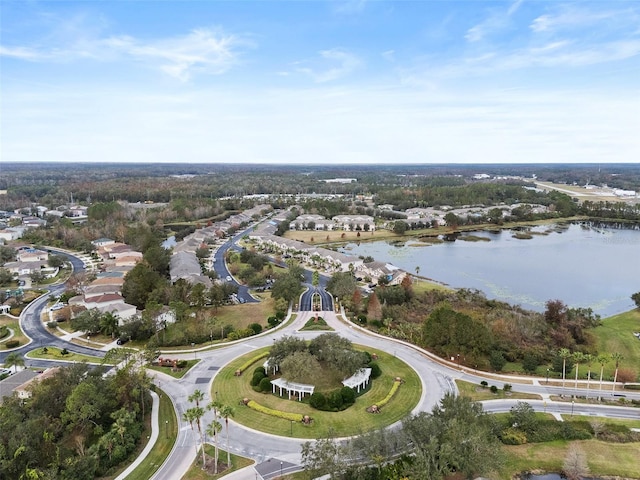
{"x":348,"y":395}
{"x":484,"y":384}
{"x":507,"y":387}
{"x":52,"y":325}
{"x":530,"y":362}
{"x":4,"y":331}
{"x":258,"y":369}
{"x":257,"y":378}
{"x":335,"y":401}
{"x":12,"y":343}
{"x":362,"y":319}
{"x":376,"y":371}
{"x":296,"y":417}
{"x":318,"y":401}
{"x":493,"y":389}
{"x":182,"y":364}
{"x":512,"y":436}
{"x":64,"y":351}
{"x":256,"y":327}
{"x":265,"y":384}
{"x":251,"y":361}
{"x":392,"y":392}
{"x":497,"y":360}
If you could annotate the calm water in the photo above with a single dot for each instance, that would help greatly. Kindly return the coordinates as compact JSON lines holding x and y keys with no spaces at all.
{"x":583,"y":267}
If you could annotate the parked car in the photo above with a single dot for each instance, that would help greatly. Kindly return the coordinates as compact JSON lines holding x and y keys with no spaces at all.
{"x":229,"y":279}
{"x":122,"y":340}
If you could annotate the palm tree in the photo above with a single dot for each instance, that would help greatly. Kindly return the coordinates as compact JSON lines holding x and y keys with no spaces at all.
{"x":602,"y":359}
{"x":215,"y":405}
{"x":14,"y":360}
{"x":227,"y":411}
{"x":564,"y":353}
{"x":109,"y":324}
{"x":188,"y":416}
{"x":616,"y":357}
{"x":588,"y":359}
{"x":212,"y":430}
{"x":195,"y":414}
{"x":196,"y":396}
{"x":577,"y":357}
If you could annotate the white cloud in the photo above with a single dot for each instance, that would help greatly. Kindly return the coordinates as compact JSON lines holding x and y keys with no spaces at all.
{"x":333,"y":64}
{"x":323,"y":125}
{"x":200,"y":51}
{"x":572,"y":17}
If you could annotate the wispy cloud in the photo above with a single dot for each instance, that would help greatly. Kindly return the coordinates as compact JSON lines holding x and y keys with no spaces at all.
{"x":332,"y":65}
{"x":498,"y":20}
{"x":349,"y":6}
{"x":572,"y":17}
{"x":202,"y":51}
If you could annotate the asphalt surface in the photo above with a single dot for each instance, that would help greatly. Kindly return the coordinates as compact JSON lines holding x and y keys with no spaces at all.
{"x":273,"y":452}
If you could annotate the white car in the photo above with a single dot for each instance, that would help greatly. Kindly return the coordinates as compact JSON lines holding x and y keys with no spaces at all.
{"x":229,"y":279}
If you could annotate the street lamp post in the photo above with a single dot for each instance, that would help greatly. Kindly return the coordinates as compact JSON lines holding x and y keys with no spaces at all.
{"x":280,"y":469}
{"x":572,"y":403}
{"x":166,"y":428}
{"x":547,"y":376}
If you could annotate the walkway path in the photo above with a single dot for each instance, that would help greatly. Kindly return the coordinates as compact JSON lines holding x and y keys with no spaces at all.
{"x":155,"y":431}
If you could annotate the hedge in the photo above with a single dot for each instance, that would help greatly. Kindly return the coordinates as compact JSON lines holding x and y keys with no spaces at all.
{"x":251,"y":361}
{"x":12,"y":343}
{"x":4,"y":331}
{"x":392,"y":392}
{"x":296,"y":417}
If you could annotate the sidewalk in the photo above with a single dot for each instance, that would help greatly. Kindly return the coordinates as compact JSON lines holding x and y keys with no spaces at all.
{"x":155,"y":430}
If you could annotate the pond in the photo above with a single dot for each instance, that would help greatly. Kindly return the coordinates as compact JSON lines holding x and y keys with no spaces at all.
{"x":581,"y":265}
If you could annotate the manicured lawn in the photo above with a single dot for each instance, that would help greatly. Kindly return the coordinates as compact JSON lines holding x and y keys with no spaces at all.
{"x":14,"y":325}
{"x":168,"y":434}
{"x":603,"y":458}
{"x":175,"y":374}
{"x":54,"y":353}
{"x":477,"y":393}
{"x":614,"y":421}
{"x":231,"y":390}
{"x":196,"y":472}
{"x":616,"y":335}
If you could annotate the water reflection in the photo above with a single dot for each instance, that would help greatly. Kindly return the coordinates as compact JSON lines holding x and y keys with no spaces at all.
{"x":584,"y":267}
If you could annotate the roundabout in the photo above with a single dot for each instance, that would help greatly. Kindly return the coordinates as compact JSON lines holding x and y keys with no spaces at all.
{"x":230,"y":389}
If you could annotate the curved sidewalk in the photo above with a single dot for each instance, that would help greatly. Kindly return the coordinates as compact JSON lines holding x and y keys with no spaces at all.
{"x":155,"y":431}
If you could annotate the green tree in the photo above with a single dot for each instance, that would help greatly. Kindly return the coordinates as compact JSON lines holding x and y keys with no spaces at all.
{"x":212,"y":430}
{"x":636,"y":299}
{"x":109,"y":323}
{"x":139,"y":283}
{"x":88,"y":321}
{"x":55,"y":261}
{"x":299,"y":367}
{"x":226,"y":411}
{"x":564,"y":353}
{"x":523,"y":417}
{"x":400,"y":227}
{"x":342,"y":285}
{"x":616,"y":357}
{"x":14,"y":360}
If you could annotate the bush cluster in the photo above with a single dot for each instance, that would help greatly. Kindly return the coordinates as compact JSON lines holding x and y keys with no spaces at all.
{"x":12,"y":343}
{"x":334,"y":401}
{"x":251,"y":361}
{"x":392,"y":392}
{"x":4,"y":331}
{"x":296,"y":417}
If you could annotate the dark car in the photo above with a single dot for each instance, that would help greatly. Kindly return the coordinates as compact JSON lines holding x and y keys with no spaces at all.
{"x":122,"y":340}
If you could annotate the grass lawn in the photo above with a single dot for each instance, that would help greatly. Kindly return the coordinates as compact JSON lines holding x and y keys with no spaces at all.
{"x":231,"y":390}
{"x":238,"y":316}
{"x":54,"y":353}
{"x":175,"y":374}
{"x":603,"y":458}
{"x":14,"y":325}
{"x":196,"y":472}
{"x":168,"y":434}
{"x":606,"y":420}
{"x":616,"y":335}
{"x":477,"y":393}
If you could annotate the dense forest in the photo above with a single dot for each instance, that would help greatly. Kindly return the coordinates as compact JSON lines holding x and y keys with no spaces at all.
{"x":77,"y":425}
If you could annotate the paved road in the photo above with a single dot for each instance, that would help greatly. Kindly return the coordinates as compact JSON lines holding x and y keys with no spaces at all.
{"x":37,"y":332}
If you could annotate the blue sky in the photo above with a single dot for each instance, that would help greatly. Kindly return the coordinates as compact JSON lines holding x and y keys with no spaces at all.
{"x":335,"y":81}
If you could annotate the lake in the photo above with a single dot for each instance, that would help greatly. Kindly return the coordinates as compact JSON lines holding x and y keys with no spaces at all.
{"x":582,"y":266}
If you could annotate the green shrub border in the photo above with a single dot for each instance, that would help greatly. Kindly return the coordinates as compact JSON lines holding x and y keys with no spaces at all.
{"x":392,"y":392}
{"x":251,"y":361}
{"x":296,"y":417}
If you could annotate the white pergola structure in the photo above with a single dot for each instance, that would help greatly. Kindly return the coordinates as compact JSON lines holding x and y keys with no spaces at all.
{"x":267,"y":366}
{"x":358,"y":380}
{"x":297,"y":388}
